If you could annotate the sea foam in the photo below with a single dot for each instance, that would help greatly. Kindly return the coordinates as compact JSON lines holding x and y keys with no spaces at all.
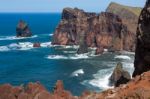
{"x":100,"y":80}
{"x":122,"y":57}
{"x":77,"y":73}
{"x":15,"y":38}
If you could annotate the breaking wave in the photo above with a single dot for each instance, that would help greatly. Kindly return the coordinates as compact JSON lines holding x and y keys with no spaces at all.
{"x":22,"y":46}
{"x":101,"y":80}
{"x":77,"y":73}
{"x":15,"y":38}
{"x":122,"y":57}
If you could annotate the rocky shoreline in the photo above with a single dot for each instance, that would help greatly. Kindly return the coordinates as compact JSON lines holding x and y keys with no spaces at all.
{"x":136,"y":88}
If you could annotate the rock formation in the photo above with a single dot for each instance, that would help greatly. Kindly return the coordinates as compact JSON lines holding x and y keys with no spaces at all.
{"x":37,"y":45}
{"x":129,"y":15}
{"x":137,"y":88}
{"x":34,"y":91}
{"x":119,"y":76}
{"x":142,"y":53}
{"x":104,"y":30}
{"x":23,"y":30}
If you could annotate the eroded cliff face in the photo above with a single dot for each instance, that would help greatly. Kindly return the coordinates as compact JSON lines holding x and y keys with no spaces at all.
{"x":142,"y":53}
{"x":129,"y":15}
{"x":104,"y":30}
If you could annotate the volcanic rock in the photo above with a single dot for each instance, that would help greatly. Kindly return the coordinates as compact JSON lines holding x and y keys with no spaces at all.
{"x":36,"y":45}
{"x":23,"y":30}
{"x":100,"y":30}
{"x":119,"y":76}
{"x":142,"y":53}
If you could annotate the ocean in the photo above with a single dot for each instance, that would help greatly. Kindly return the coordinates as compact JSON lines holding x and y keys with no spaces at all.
{"x":20,"y":63}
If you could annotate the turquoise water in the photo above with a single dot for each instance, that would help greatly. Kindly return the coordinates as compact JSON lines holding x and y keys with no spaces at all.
{"x":21,"y":63}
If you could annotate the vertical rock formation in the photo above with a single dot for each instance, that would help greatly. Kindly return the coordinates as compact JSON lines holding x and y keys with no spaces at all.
{"x":142,"y":53}
{"x":23,"y":30}
{"x":104,"y":30}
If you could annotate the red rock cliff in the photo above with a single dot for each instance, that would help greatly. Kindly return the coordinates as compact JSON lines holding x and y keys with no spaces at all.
{"x":104,"y":30}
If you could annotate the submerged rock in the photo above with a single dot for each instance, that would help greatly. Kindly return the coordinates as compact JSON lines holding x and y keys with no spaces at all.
{"x":142,"y":53}
{"x":23,"y":30}
{"x":119,"y":76}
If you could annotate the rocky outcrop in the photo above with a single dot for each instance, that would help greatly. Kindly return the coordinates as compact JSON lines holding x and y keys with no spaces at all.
{"x":36,"y":44}
{"x":129,"y":15}
{"x":142,"y":53}
{"x":34,"y":91}
{"x":137,"y":88}
{"x":104,"y":30}
{"x":119,"y":76}
{"x":23,"y":30}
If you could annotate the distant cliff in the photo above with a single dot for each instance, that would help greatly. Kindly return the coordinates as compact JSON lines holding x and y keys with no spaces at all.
{"x":128,"y":14}
{"x":104,"y":31}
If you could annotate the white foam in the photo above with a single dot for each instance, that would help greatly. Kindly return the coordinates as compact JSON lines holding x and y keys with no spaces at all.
{"x":4,"y":48}
{"x":56,"y":57}
{"x":122,"y":57}
{"x":46,"y":44}
{"x":101,"y":79}
{"x":26,"y":46}
{"x":77,"y":72}
{"x":51,"y":34}
{"x":15,"y":38}
{"x":73,"y":57}
{"x":69,"y":52}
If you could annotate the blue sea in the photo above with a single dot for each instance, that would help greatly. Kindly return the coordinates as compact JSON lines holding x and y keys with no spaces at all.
{"x":20,"y":63}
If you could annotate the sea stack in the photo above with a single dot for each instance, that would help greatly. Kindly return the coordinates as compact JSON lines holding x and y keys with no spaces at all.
{"x":142,"y":53}
{"x":23,"y":29}
{"x":119,"y":76}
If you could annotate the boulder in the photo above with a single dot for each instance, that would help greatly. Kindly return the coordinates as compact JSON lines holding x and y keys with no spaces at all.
{"x":119,"y":76}
{"x":142,"y":53}
{"x":37,"y":45}
{"x":23,"y":30}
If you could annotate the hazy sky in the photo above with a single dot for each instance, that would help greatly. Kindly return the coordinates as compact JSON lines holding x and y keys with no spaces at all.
{"x":58,"y":5}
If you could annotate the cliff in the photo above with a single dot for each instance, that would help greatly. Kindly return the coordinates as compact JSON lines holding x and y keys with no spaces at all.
{"x":104,"y":30}
{"x":142,"y":53}
{"x":128,"y":14}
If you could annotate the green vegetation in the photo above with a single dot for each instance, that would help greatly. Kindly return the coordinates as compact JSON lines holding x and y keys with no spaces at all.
{"x":115,"y":8}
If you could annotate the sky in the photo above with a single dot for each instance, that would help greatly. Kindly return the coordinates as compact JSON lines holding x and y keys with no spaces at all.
{"x":58,"y":5}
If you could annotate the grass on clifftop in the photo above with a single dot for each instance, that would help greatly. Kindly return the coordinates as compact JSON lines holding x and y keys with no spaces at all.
{"x":119,"y":7}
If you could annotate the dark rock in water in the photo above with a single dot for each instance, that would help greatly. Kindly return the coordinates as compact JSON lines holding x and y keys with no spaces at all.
{"x":142,"y":53}
{"x":83,"y":48}
{"x":100,"y":30}
{"x":23,"y":30}
{"x":36,"y":45}
{"x":119,"y":76}
{"x":99,"y":50}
